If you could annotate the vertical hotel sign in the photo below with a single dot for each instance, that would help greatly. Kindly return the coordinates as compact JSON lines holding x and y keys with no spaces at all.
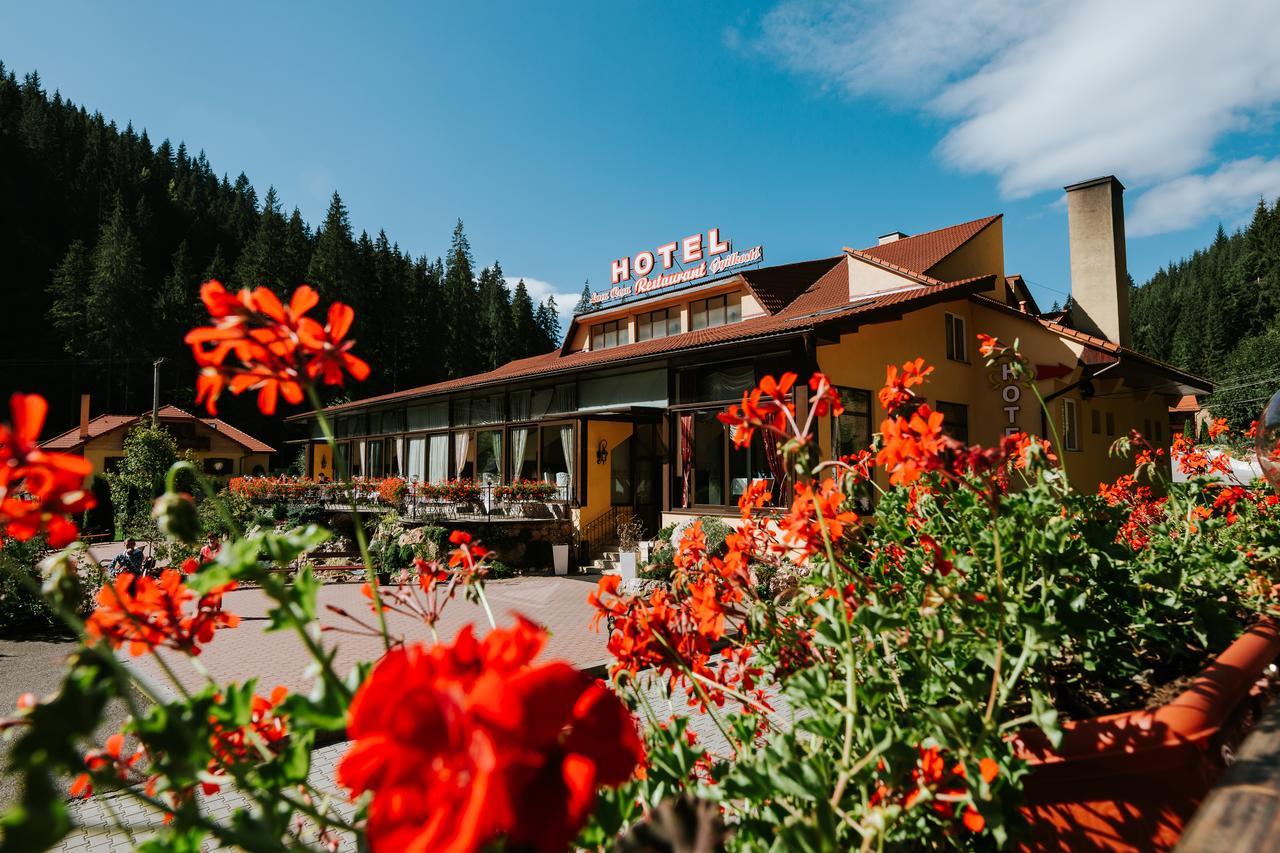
{"x":694,"y":258}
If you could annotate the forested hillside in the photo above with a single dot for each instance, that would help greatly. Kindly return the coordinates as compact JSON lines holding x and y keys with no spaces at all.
{"x":105,"y":238}
{"x":1217,"y":313}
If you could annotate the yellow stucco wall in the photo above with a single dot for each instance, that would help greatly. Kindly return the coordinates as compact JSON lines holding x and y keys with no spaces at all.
{"x":859,"y":361}
{"x":598,"y":486}
{"x":983,"y":254}
{"x":111,"y":445}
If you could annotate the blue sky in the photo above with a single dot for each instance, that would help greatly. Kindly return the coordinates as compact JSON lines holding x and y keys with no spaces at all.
{"x":567,"y":137}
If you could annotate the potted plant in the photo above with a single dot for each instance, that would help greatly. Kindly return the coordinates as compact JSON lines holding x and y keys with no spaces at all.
{"x":630,"y":532}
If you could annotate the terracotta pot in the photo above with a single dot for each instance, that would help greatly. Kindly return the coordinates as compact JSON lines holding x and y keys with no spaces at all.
{"x":1132,"y":781}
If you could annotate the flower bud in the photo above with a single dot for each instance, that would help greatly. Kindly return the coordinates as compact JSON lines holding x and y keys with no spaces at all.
{"x":60,"y":574}
{"x":175,"y":515}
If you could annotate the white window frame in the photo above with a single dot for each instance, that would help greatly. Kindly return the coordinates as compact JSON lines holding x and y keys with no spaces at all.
{"x":957,"y":343}
{"x":1070,"y":425}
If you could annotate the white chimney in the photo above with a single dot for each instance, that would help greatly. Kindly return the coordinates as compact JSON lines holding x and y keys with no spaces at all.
{"x":891,"y":237}
{"x":1099,"y":274}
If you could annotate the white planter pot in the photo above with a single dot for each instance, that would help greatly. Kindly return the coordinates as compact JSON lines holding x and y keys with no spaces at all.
{"x":627,"y":565}
{"x":560,"y":558}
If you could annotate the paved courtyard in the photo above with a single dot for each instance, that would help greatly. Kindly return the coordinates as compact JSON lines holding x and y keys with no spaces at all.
{"x":279,"y":657}
{"x":114,"y":822}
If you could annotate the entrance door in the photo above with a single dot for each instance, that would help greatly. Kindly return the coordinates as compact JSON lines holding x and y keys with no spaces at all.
{"x":646,"y":464}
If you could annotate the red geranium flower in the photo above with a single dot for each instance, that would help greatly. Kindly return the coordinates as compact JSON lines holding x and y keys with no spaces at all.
{"x":146,"y":614}
{"x":38,"y":490}
{"x":259,"y":344}
{"x":466,"y":743}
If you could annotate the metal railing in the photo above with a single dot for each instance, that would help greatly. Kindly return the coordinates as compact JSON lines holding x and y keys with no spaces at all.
{"x":600,"y":532}
{"x":488,"y":502}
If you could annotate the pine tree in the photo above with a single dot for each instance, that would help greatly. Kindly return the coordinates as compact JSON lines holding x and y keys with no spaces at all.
{"x":524,"y":326}
{"x":218,"y":269}
{"x":70,"y":291}
{"x":584,"y":301}
{"x":459,"y":309}
{"x":547,"y":319}
{"x":297,"y":250}
{"x":177,"y":303}
{"x":117,"y":290}
{"x":331,"y":264}
{"x":496,"y":328}
{"x":263,"y":260}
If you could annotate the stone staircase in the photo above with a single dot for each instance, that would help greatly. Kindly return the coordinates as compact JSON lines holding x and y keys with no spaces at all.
{"x":607,"y":562}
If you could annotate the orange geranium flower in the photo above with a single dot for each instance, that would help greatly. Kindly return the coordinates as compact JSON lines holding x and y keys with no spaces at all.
{"x":257,"y":343}
{"x":766,"y":406}
{"x":801,"y":529}
{"x":39,"y":490}
{"x":110,"y":755}
{"x":148,"y":614}
{"x":897,"y":392}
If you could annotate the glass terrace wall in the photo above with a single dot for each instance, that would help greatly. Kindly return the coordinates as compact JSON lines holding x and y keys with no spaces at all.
{"x":494,"y":436}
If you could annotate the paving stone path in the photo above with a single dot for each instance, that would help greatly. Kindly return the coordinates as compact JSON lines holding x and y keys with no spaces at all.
{"x":248,"y":651}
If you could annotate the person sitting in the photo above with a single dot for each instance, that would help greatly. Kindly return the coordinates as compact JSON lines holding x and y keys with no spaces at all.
{"x":129,"y":560}
{"x":211,"y":548}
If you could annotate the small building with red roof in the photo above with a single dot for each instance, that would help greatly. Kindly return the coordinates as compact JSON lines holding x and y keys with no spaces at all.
{"x":220,"y":448}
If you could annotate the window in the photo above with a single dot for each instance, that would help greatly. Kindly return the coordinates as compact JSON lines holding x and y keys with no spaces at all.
{"x":957,"y":348}
{"x":1070,"y":430}
{"x":714,"y":471}
{"x":610,"y":334}
{"x":218,"y":467}
{"x":1159,"y":431}
{"x":955,"y":420}
{"x":489,"y":455}
{"x":716,"y":311}
{"x":851,"y":431}
{"x":1095,"y":421}
{"x":1111,"y":423}
{"x":657,"y":324}
{"x":524,"y":453}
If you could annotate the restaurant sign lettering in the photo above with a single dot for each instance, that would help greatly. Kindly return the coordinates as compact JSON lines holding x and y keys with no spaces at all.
{"x":680,"y":262}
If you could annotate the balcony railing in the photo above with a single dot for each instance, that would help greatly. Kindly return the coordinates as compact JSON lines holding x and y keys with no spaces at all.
{"x":453,"y":500}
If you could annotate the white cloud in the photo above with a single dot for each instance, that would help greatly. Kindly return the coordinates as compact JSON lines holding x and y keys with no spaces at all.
{"x":1043,"y":94}
{"x":1232,"y":190}
{"x":540,"y":290}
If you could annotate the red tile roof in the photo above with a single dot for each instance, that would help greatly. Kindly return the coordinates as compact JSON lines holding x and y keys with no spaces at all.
{"x":103,"y":424}
{"x":1101,"y":346}
{"x":922,"y":252}
{"x":777,"y":287}
{"x":824,"y":302}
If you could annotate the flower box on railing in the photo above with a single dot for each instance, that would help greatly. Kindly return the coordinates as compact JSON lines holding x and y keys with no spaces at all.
{"x":1131,"y":781}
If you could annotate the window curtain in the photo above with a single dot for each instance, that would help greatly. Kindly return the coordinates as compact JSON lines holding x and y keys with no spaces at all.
{"x":361,"y":456}
{"x":438,"y":464}
{"x":521,"y":406}
{"x":686,"y":457}
{"x":461,"y":444}
{"x":400,"y":469}
{"x":519,"y":438}
{"x":495,"y":442}
{"x":417,"y":459}
{"x":566,"y":444}
{"x":777,"y":469}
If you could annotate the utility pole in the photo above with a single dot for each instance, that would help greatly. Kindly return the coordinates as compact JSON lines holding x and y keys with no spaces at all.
{"x":155,"y":391}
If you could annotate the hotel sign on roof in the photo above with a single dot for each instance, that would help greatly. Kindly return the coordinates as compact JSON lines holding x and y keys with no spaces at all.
{"x":695,"y":258}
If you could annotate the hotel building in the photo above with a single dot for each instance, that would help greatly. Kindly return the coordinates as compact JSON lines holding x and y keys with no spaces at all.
{"x":623,"y":414}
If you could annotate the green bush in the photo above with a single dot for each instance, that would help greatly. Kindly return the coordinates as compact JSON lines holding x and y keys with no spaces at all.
{"x":716,"y":532}
{"x":21,"y":611}
{"x":499,"y":570}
